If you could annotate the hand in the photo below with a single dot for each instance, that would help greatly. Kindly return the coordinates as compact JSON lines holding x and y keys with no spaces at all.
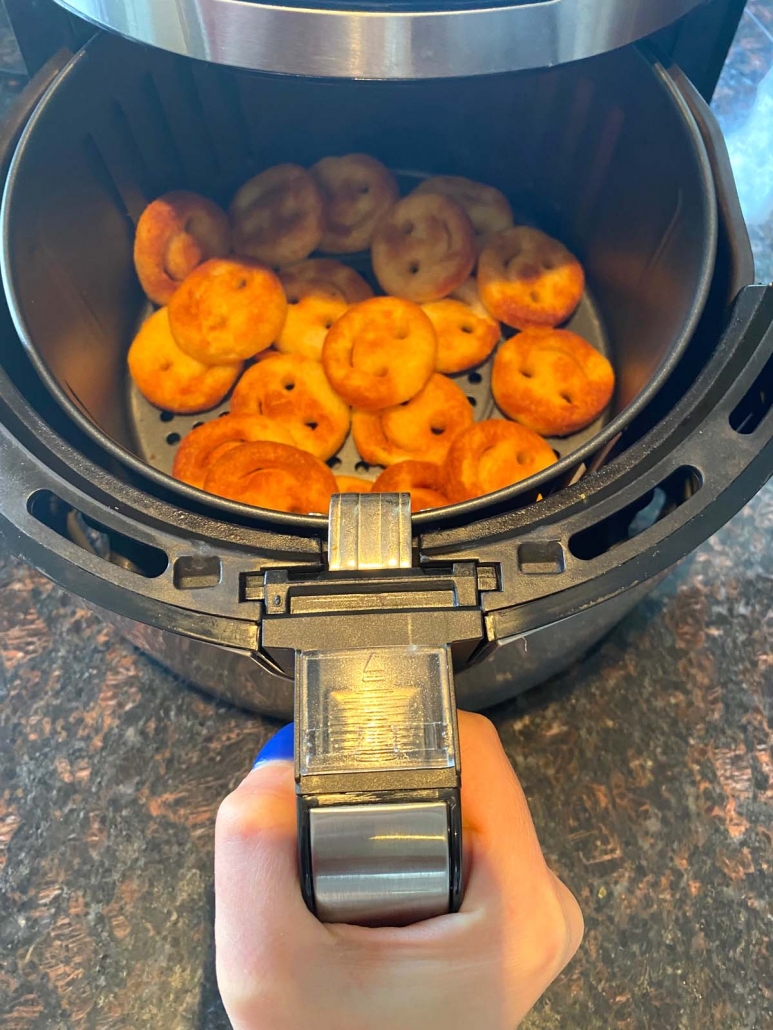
{"x":482,"y":968}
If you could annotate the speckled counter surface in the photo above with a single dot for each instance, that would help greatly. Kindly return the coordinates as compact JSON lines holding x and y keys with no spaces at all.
{"x":648,"y":767}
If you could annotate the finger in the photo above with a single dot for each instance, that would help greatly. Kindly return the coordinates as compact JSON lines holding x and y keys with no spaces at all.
{"x":257,"y":889}
{"x":496,"y":817}
{"x":509,"y":879}
{"x":573,"y":916}
{"x":504,"y":864}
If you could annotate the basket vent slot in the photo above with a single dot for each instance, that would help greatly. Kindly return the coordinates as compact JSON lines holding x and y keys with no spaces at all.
{"x":102,"y":541}
{"x":638,"y":517}
{"x":756,"y":402}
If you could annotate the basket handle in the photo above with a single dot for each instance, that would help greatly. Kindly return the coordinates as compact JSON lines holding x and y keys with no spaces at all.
{"x":377,"y":752}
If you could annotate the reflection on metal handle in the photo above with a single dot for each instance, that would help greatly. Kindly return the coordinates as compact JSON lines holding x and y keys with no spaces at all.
{"x":384,"y":41}
{"x":376,"y":864}
{"x":377,"y":753}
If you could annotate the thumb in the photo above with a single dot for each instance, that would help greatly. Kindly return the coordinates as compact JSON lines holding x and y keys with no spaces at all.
{"x":257,"y":889}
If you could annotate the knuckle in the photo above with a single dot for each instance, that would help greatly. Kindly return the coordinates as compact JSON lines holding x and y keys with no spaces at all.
{"x":575,"y":921}
{"x":552,"y":935}
{"x":555,"y":938}
{"x":234,"y":817}
{"x":243,"y":815}
{"x":256,"y":809}
{"x":244,"y":994}
{"x":482,"y":726}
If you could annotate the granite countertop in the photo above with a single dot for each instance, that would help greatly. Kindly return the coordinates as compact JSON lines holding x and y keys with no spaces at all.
{"x":648,"y":767}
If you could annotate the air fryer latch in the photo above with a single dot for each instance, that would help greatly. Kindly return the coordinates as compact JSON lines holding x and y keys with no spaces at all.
{"x":370,"y":595}
{"x":369,"y":531}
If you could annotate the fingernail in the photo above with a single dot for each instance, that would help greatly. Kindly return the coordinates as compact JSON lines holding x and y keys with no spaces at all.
{"x":280,"y":747}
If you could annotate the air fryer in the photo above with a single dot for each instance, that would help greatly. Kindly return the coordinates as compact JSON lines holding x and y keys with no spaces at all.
{"x":617,"y":154}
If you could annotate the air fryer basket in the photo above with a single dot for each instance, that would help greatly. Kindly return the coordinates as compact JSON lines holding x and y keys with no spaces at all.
{"x":226,"y":594}
{"x":604,"y":154}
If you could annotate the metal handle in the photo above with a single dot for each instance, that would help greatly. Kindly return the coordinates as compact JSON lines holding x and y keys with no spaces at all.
{"x":385,"y":863}
{"x":384,"y":41}
{"x":377,"y":753}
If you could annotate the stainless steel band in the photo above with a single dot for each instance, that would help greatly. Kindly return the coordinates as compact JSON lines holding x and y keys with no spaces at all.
{"x":377,"y":753}
{"x":383,"y":42}
{"x":377,"y":864}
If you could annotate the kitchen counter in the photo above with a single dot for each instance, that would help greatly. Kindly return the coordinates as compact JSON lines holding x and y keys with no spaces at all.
{"x":648,"y":768}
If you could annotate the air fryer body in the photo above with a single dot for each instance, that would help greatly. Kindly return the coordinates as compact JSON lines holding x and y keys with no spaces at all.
{"x":514,"y":665}
{"x":368,"y":39}
{"x":615,"y":153}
